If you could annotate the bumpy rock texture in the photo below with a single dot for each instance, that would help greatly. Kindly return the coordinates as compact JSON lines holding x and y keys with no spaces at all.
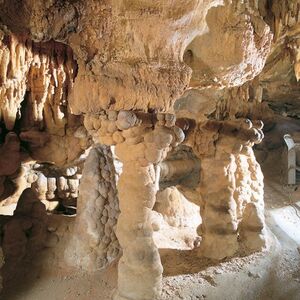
{"x":139,"y":78}
{"x":25,"y":233}
{"x":137,"y":186}
{"x":94,"y":244}
{"x":247,"y":38}
{"x":231,"y":186}
{"x":131,"y":65}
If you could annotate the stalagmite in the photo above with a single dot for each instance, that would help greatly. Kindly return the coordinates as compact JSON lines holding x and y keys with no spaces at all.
{"x":229,"y":192}
{"x":143,"y":146}
{"x":94,"y":244}
{"x":137,"y":188}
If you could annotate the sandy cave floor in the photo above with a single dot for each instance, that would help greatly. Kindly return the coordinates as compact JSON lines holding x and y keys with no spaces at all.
{"x":273,"y":274}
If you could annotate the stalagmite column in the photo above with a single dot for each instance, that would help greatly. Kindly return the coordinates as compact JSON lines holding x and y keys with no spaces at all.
{"x":94,"y":244}
{"x":219,"y":219}
{"x":250,"y":199}
{"x":233,"y":197}
{"x":140,"y":269}
{"x":137,"y":189}
{"x":142,"y":141}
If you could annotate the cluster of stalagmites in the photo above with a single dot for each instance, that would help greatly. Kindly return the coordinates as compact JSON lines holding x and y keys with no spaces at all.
{"x":56,"y":187}
{"x":63,"y":187}
{"x":231,"y":187}
{"x":230,"y":191}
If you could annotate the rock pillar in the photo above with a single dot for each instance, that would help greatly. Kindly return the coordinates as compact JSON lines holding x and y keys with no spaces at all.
{"x":142,"y":141}
{"x":94,"y":244}
{"x":231,"y":187}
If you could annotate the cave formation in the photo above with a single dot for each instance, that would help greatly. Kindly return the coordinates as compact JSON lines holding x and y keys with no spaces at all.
{"x":149,"y":150}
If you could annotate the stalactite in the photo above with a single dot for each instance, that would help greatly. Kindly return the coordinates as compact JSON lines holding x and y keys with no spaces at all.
{"x":243,"y":102}
{"x":45,"y":70}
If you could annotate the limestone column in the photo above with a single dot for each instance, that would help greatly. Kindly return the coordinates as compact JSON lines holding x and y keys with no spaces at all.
{"x":142,"y":141}
{"x":252,"y":226}
{"x":232,"y":200}
{"x":94,"y":244}
{"x":140,"y":269}
{"x":219,"y":219}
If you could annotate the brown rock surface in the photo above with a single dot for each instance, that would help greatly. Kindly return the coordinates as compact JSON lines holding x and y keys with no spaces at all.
{"x":114,"y":86}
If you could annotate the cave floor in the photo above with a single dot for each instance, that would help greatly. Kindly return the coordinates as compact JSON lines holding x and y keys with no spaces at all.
{"x":270,"y":275}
